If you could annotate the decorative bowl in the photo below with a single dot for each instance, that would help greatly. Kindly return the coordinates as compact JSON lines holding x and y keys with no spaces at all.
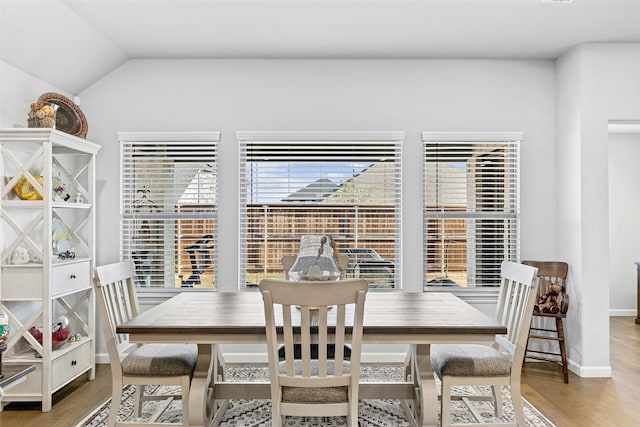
{"x":60,"y":332}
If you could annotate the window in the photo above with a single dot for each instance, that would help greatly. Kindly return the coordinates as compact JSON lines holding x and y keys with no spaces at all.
{"x":471,"y":207}
{"x":346,"y":185}
{"x":168,"y":207}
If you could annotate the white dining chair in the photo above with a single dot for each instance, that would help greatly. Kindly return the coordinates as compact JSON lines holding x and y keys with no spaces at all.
{"x":341,"y":262}
{"x":148,"y":364}
{"x":307,"y":386}
{"x":497,"y":365}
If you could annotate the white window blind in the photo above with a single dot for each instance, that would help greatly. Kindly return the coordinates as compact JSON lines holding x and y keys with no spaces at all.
{"x":347,"y":186}
{"x":168,"y":207}
{"x":472,"y":207}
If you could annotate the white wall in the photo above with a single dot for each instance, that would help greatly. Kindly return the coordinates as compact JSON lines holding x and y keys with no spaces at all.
{"x":624,"y":227}
{"x":17,"y":91}
{"x":595,"y":83}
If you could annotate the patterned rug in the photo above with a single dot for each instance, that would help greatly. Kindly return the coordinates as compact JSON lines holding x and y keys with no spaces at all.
{"x":372,"y":413}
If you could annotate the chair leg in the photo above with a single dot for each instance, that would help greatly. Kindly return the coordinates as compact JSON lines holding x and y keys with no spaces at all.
{"x":186,"y":388}
{"x":116,"y":401}
{"x":445,"y":403}
{"x":277,"y":420}
{"x":137,"y":405}
{"x":516,"y":400}
{"x":352,"y":418}
{"x":563,"y":350}
{"x":497,"y":400}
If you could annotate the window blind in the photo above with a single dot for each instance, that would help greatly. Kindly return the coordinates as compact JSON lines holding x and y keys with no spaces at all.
{"x":347,"y":188}
{"x":168,"y":207}
{"x":471,"y":207}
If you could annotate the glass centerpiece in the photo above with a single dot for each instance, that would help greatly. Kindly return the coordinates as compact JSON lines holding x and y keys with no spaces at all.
{"x":315,"y":260}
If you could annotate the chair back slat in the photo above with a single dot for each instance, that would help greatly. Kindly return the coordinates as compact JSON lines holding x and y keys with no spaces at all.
{"x":305,"y":341}
{"x":340,"y":338}
{"x":322,"y":341}
{"x":313,"y":313}
{"x":517,"y":295}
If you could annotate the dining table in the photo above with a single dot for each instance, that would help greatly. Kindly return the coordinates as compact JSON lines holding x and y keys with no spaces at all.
{"x":211,"y":319}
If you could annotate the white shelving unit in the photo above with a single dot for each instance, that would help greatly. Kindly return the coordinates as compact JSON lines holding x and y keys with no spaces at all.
{"x":35,"y":292}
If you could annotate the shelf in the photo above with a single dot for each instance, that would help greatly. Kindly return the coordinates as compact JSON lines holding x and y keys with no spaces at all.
{"x":38,"y":204}
{"x":30,"y":354}
{"x":34,"y":293}
{"x":55,"y":263}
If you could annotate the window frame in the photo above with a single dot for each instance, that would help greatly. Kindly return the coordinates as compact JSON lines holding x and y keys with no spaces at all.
{"x":514,"y":138}
{"x":391,"y":137}
{"x":160,"y":138}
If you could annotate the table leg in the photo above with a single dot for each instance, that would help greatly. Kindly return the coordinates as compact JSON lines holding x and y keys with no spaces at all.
{"x":219,"y":405}
{"x":426,"y":394}
{"x":201,"y":407}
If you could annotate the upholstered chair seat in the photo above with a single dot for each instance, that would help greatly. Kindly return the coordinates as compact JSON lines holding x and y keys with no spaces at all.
{"x":315,"y":395}
{"x":161,"y":360}
{"x":464,"y":360}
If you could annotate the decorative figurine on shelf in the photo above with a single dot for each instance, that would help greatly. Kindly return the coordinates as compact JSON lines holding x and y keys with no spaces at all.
{"x":315,"y":260}
{"x":61,"y":241}
{"x":20,"y":256}
{"x":26,"y":191}
{"x":4,"y":335}
{"x":60,"y":185}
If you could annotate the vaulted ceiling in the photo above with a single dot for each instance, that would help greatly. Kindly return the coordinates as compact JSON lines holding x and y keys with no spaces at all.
{"x":73,"y":43}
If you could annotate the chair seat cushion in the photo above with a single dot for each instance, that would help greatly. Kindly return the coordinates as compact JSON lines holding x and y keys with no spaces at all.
{"x":460,"y":360}
{"x":316,"y":394}
{"x":161,"y":360}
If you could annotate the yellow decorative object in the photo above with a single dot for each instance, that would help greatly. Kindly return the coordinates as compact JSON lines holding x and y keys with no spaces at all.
{"x":26,"y":191}
{"x":47,"y":110}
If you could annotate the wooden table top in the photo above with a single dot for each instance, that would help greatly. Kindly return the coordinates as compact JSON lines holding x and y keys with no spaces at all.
{"x":242,"y":313}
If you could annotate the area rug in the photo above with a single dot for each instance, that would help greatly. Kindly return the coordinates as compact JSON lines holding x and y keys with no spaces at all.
{"x":372,"y":413}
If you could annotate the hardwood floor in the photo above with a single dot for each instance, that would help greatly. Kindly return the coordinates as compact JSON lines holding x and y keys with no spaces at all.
{"x":584,"y":402}
{"x":591,"y":402}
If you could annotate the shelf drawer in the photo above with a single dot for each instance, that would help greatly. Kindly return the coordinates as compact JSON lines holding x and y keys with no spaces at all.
{"x":68,"y":366}
{"x":70,"y":277}
{"x":27,"y":282}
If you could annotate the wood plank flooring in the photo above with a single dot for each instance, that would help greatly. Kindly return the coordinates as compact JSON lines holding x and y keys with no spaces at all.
{"x":584,"y":402}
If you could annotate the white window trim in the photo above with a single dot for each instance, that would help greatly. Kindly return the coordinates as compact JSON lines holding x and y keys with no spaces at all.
{"x":481,"y":294}
{"x":161,"y":294}
{"x":323,"y":136}
{"x":391,"y":136}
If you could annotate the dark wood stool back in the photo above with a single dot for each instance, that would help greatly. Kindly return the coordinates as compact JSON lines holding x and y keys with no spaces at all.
{"x":550,"y":273}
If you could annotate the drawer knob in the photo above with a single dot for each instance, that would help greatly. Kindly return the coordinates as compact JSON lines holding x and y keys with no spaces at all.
{"x":74,"y":363}
{"x":73,"y":276}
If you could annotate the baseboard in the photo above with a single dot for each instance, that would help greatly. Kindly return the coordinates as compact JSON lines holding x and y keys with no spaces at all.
{"x":102,"y":359}
{"x":623,"y":312}
{"x":590,"y":371}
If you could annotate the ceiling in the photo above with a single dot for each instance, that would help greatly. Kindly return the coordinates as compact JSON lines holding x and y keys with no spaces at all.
{"x":73,"y":43}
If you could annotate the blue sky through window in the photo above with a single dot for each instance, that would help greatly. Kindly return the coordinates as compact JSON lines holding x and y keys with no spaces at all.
{"x":271,"y":182}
